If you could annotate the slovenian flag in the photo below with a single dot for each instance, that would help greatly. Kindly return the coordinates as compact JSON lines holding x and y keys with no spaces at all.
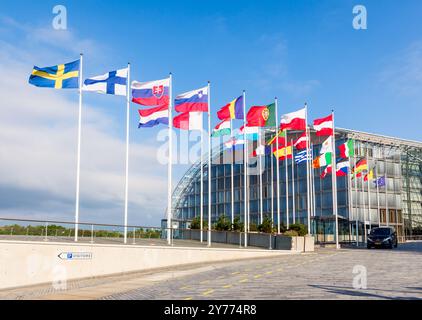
{"x":195,"y":100}
{"x":153,"y":116}
{"x":151,"y":93}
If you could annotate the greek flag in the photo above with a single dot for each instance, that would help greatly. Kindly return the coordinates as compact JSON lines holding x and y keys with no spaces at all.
{"x":301,"y":157}
{"x":113,"y":82}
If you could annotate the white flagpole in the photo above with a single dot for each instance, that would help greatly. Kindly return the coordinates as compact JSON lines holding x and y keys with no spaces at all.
{"x":334,"y":181}
{"x":308,"y":204}
{"x":369,"y":187}
{"x":272,"y":190}
{"x":245,"y":171}
{"x":311,"y":169}
{"x":378,"y":196}
{"x":261,"y":200}
{"x":169,"y":173}
{"x":278,"y":167}
{"x":293,"y":183}
{"x":209,"y":164}
{"x":201,"y":209}
{"x":232,"y":173}
{"x":349,"y":186}
{"x":78,"y":165}
{"x":127,"y":150}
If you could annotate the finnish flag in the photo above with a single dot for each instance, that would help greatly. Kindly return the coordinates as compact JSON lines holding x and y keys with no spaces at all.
{"x":114,"y":82}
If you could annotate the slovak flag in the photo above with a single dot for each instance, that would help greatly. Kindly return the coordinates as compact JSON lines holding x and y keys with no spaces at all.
{"x":195,"y":100}
{"x":188,"y":121}
{"x":153,"y":116}
{"x":151,"y":93}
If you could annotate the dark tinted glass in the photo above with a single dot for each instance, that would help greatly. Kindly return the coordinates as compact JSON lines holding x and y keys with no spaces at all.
{"x":380,"y":232}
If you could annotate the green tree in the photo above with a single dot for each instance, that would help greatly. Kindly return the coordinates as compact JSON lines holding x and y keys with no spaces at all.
{"x":196,"y":223}
{"x":253,"y":227}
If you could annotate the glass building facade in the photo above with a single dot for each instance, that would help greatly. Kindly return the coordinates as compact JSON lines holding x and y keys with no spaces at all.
{"x":361,"y":204}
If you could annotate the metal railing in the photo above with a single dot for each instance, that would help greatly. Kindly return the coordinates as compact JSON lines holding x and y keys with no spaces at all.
{"x":64,"y":231}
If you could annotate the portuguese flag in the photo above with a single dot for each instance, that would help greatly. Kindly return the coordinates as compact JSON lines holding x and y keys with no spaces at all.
{"x":261,"y":116}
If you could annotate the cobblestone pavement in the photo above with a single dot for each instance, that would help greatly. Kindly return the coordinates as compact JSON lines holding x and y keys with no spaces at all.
{"x":325,"y":274}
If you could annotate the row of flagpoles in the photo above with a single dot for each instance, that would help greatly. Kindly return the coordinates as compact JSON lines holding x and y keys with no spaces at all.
{"x":158,"y":96}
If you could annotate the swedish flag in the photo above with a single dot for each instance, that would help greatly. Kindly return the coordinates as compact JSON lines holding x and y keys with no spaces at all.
{"x":62,"y":76}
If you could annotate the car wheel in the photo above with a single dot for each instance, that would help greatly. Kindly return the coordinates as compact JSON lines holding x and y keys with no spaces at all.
{"x":396,"y":245}
{"x":390,"y":245}
{"x":368,"y":247}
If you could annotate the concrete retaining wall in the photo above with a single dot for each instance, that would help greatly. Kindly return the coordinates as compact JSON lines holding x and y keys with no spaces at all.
{"x":29,"y":263}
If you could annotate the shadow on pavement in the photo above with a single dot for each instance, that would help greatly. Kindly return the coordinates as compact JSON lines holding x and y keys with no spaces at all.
{"x":357,"y":293}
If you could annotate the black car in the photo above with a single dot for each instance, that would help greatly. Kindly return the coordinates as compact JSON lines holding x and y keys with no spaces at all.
{"x":382,"y":237}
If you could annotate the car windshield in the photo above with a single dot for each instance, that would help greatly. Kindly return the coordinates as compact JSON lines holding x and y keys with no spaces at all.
{"x":380,"y":232}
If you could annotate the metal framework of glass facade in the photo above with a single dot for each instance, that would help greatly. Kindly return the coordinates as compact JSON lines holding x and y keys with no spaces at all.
{"x":360,"y":203}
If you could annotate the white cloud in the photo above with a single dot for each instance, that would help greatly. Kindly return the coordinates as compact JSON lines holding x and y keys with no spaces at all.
{"x":403,"y":73}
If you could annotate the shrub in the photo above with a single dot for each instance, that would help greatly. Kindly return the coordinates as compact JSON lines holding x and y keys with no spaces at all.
{"x":196,"y":223}
{"x":253,"y":227}
{"x":237,"y":225}
{"x":301,"y":229}
{"x":291,"y":233}
{"x":223,"y":223}
{"x":266,"y":225}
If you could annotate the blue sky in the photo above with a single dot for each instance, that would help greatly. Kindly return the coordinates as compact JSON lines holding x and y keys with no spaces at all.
{"x":299,"y":51}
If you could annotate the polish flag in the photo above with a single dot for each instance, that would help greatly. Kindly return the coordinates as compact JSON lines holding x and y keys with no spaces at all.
{"x":188,"y":121}
{"x":294,"y":120}
{"x":324,"y":126}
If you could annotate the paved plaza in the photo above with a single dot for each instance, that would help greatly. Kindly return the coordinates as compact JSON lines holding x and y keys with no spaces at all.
{"x":325,"y":274}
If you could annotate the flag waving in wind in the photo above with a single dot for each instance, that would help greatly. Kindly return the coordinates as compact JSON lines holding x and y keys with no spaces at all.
{"x":261,"y":116}
{"x":195,"y":100}
{"x":232,"y":110}
{"x":151,"y":93}
{"x":113,"y":82}
{"x":294,"y":120}
{"x":62,"y":76}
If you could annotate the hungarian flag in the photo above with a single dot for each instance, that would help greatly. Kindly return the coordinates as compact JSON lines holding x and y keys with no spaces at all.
{"x":324,"y":126}
{"x":188,"y":121}
{"x":222,"y":129}
{"x":282,"y":152}
{"x":261,"y":116}
{"x":232,"y":110}
{"x":301,"y":142}
{"x":322,"y":160}
{"x":347,"y":149}
{"x":294,"y":120}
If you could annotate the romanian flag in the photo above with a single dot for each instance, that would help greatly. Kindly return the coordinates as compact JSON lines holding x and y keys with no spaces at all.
{"x":283,"y":152}
{"x":261,"y":116}
{"x":62,"y":76}
{"x":362,"y":165}
{"x":232,"y":110}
